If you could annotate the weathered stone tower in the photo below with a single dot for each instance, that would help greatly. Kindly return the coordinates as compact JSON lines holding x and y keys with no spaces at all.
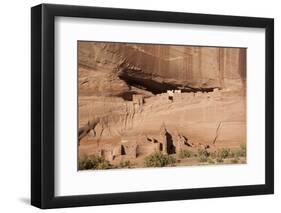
{"x":163,"y":134}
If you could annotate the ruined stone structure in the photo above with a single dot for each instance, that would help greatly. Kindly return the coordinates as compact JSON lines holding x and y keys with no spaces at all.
{"x":181,"y":143}
{"x":167,"y":141}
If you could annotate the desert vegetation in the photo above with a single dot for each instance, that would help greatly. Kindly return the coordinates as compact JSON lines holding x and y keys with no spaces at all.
{"x":158,"y":159}
{"x":94,"y":162}
{"x":185,"y":154}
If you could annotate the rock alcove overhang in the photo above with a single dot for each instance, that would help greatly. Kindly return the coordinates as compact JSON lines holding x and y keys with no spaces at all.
{"x":154,"y":84}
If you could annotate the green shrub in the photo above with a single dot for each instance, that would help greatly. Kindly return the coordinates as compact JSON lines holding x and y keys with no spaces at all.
{"x":243,"y":150}
{"x":213,"y":155}
{"x":203,"y":152}
{"x":158,"y":159}
{"x":203,"y":155}
{"x":125,"y":164}
{"x":240,"y":152}
{"x":94,"y":162}
{"x":219,"y":160}
{"x":104,"y":165}
{"x":203,"y":159}
{"x":243,"y":147}
{"x":185,"y":154}
{"x":223,"y":153}
{"x":231,"y":154}
{"x":85,"y":164}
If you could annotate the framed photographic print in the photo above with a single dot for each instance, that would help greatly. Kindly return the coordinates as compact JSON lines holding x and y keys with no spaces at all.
{"x":139,"y":106}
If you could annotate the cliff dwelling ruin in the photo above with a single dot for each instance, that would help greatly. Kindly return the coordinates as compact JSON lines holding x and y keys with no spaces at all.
{"x":140,"y":103}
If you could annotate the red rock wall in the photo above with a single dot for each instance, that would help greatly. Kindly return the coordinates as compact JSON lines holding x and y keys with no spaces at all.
{"x":195,"y":66}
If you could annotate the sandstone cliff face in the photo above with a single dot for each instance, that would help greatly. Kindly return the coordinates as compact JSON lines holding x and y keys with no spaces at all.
{"x":150,"y":65}
{"x":112,"y":76}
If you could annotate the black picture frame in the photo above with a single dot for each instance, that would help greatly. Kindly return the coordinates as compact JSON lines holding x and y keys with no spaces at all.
{"x":43,"y":102}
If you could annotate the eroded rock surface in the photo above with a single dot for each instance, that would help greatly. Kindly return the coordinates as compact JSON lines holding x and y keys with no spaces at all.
{"x":124,"y":99}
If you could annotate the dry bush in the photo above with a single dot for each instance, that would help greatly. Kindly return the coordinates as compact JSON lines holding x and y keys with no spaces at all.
{"x":94,"y":162}
{"x":158,"y":159}
{"x":125,"y":164}
{"x":203,"y":155}
{"x":185,"y":154}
